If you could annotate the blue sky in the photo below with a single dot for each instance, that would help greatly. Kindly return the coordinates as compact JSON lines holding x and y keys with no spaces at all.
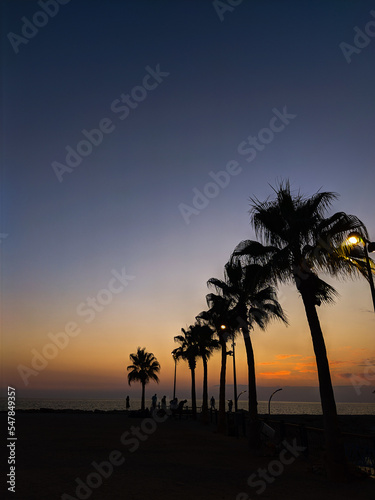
{"x":120,"y":206}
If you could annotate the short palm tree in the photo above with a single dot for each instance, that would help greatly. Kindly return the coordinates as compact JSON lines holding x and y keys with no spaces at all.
{"x":188,"y":350}
{"x":144,"y":368}
{"x":206,"y":345}
{"x":254,"y":304}
{"x":298,"y":242}
{"x":217,"y":316}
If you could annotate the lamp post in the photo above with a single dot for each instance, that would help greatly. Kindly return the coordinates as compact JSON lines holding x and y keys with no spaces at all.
{"x":175,"y":373}
{"x":232,"y":353}
{"x":234,"y":376}
{"x":242,"y":392}
{"x":368,"y":246}
{"x":269,"y":401}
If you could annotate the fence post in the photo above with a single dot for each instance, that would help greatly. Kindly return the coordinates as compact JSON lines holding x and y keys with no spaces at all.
{"x":282,"y":430}
{"x":304,"y":439}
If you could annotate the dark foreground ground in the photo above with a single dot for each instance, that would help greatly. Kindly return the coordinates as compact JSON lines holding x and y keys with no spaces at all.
{"x":175,"y":459}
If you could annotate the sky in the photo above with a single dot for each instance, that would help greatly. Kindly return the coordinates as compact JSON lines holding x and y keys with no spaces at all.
{"x":134,"y":136}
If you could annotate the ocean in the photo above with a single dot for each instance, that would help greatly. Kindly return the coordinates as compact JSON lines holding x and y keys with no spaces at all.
{"x":277,"y":407}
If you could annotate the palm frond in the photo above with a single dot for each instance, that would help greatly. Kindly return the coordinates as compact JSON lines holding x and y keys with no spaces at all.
{"x":144,"y":367}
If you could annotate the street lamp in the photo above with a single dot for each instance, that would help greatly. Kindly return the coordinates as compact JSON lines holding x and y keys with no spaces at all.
{"x":232,"y":353}
{"x":269,"y":401}
{"x":243,"y":392}
{"x":175,"y":372}
{"x":368,"y":246}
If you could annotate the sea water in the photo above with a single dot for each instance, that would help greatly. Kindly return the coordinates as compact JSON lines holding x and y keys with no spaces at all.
{"x":277,"y":407}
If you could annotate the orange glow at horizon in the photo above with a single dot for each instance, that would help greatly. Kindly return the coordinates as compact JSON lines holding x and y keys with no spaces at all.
{"x":99,"y":355}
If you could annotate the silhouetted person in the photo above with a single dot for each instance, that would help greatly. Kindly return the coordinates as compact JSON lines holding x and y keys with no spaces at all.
{"x":154,"y":400}
{"x":180,"y":407}
{"x":173,"y":404}
{"x":127,"y":402}
{"x":230,"y":405}
{"x":212,"y":403}
{"x":164,"y":403}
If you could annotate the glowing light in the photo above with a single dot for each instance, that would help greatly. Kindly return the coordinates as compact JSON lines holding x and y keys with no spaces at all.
{"x":354,"y":240}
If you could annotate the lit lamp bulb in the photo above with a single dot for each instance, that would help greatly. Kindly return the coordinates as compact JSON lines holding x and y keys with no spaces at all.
{"x":354,"y":240}
{"x":368,"y":246}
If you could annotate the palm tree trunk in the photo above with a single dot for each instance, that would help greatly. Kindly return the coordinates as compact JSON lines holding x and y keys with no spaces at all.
{"x":336,"y":464}
{"x":204,"y":416}
{"x":193,"y":396}
{"x":254,"y":424}
{"x":253,"y":403}
{"x":143,"y":396}
{"x":222,"y":419}
{"x":175,"y":374}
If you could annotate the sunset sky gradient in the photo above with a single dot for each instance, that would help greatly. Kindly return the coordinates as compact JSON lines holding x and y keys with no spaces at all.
{"x":118,"y":210}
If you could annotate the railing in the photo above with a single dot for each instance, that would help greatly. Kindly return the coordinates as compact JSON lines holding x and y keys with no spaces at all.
{"x":359,"y":448}
{"x":360,"y":451}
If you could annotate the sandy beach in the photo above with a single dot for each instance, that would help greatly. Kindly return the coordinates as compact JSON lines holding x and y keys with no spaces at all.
{"x":111,"y":456}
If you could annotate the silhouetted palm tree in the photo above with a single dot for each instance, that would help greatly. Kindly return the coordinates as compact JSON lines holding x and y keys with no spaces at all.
{"x":254,"y":303}
{"x":144,"y":368}
{"x":175,"y":359}
{"x":206,"y":345}
{"x":299,"y":242}
{"x":189,"y":351}
{"x":218,"y":315}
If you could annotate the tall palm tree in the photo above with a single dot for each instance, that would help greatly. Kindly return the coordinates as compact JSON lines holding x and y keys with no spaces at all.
{"x":217,"y":316}
{"x":298,"y":242}
{"x":254,"y":303}
{"x":175,"y":359}
{"x":144,"y":368}
{"x":188,"y":350}
{"x":206,"y":345}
